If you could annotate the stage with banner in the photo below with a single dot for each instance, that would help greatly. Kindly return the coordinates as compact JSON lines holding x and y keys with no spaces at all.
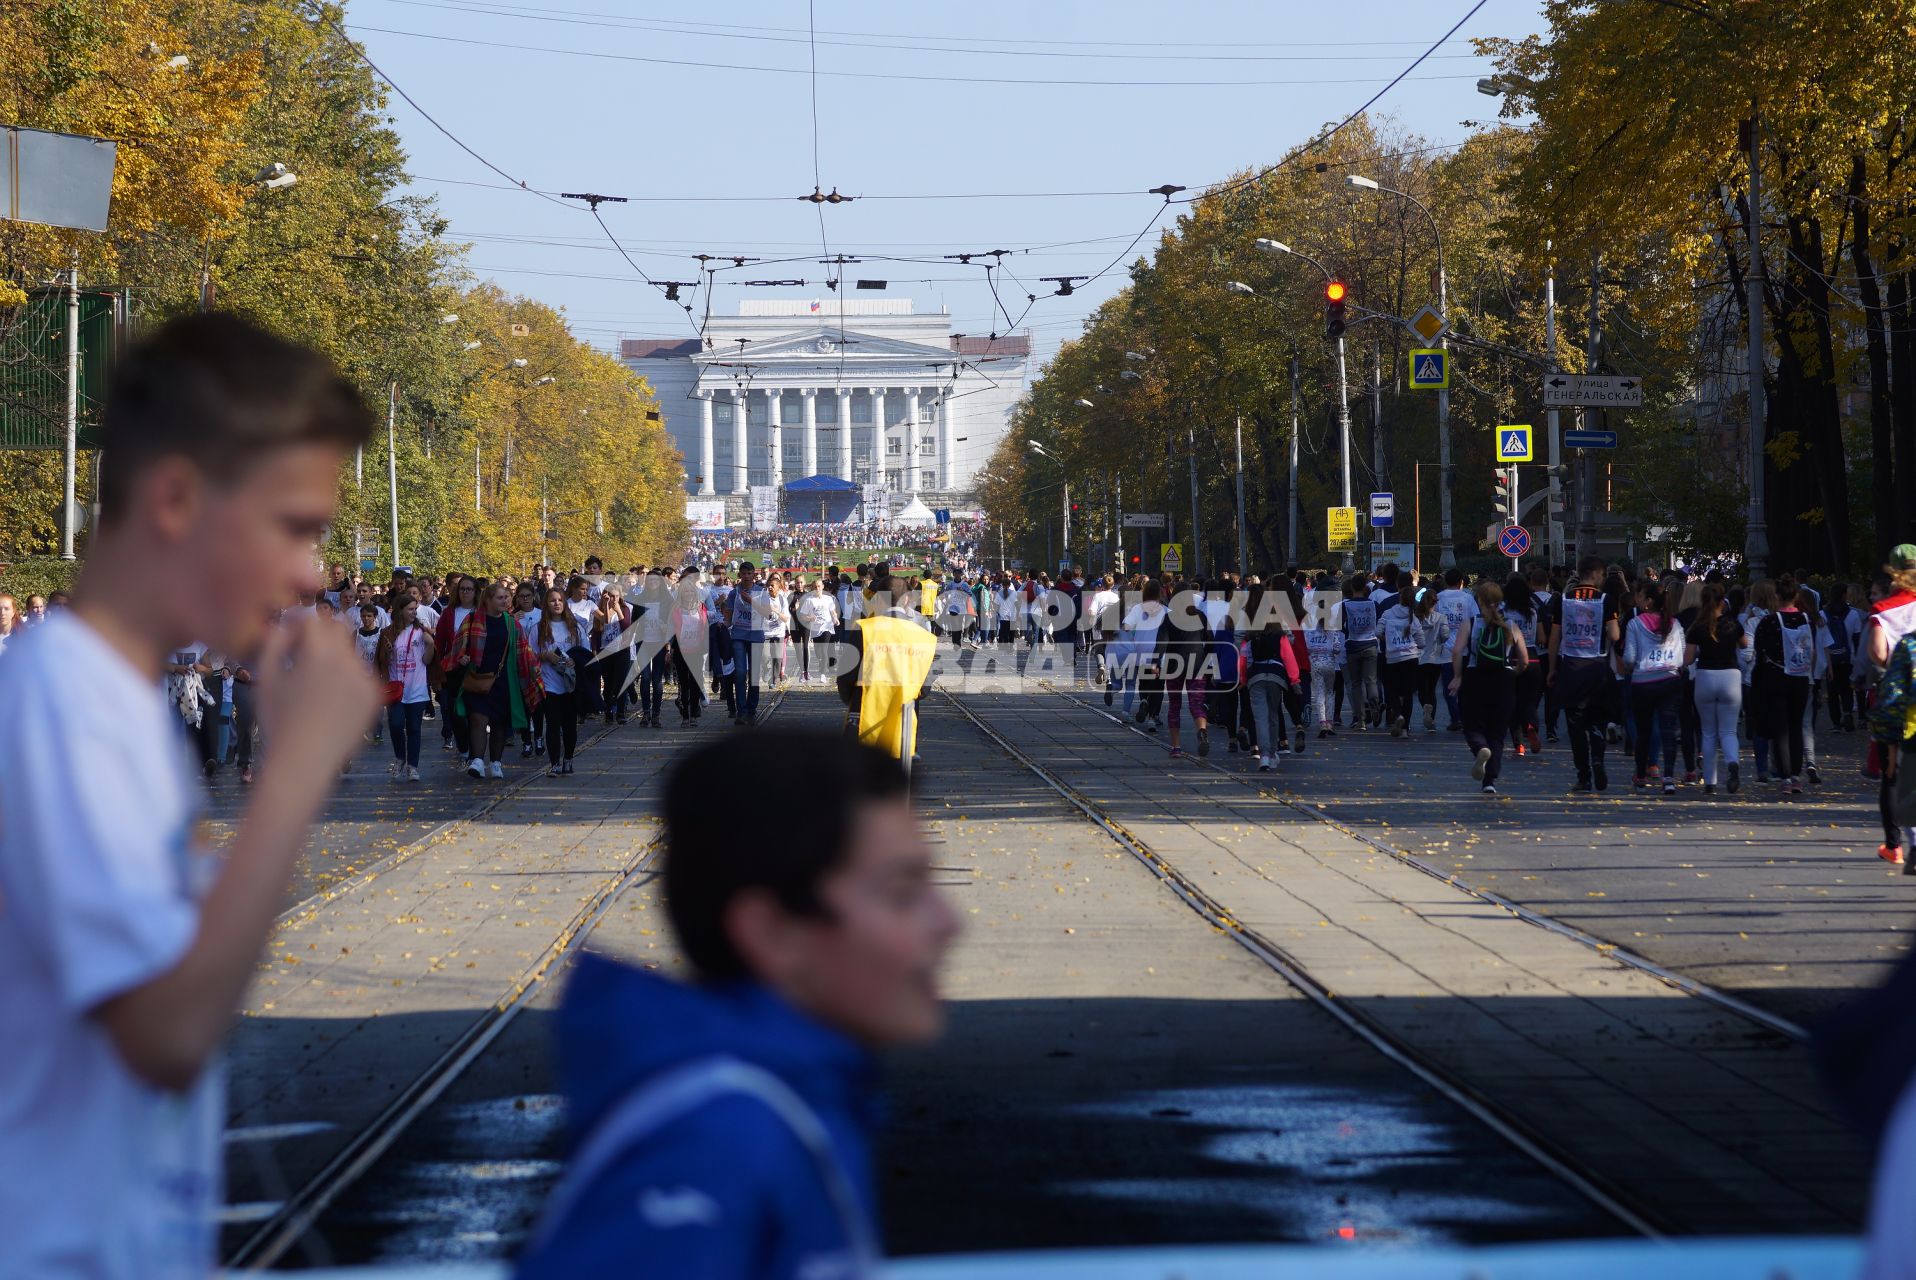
{"x":820,"y":500}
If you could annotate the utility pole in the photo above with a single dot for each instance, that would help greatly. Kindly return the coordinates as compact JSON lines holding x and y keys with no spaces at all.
{"x":1554,"y":503}
{"x":1120,"y":498}
{"x":69,"y":514}
{"x":1446,"y":473}
{"x":1344,"y":440}
{"x":1197,"y":536}
{"x":392,"y":466}
{"x":1377,"y":426}
{"x":1291,"y":544}
{"x":1756,"y":543}
{"x":1064,"y":548}
{"x":1586,"y":488}
{"x":1241,"y":551}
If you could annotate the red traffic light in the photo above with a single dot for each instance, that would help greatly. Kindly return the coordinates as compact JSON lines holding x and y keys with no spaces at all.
{"x":1134,"y":559}
{"x":1335,"y":291}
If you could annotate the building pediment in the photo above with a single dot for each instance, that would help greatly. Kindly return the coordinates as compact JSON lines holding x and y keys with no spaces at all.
{"x":847,"y":347}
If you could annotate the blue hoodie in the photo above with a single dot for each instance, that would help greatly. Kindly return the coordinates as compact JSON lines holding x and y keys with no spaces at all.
{"x":726,"y":1188}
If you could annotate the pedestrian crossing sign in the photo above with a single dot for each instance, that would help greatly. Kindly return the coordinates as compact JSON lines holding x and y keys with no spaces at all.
{"x":1429,"y":369}
{"x":1514,"y":443}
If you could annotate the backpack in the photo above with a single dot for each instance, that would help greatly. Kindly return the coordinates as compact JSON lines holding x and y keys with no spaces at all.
{"x":1892,"y":716}
{"x":1492,"y":647}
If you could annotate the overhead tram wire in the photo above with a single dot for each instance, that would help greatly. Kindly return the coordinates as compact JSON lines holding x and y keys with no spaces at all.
{"x":649,"y":25}
{"x":1240,"y":183}
{"x":605,"y":55}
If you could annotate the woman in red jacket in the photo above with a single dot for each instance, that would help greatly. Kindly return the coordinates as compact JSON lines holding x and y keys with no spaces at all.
{"x":462,"y":594}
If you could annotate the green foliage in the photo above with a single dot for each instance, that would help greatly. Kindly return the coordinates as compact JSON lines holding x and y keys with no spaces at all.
{"x":37,"y":576}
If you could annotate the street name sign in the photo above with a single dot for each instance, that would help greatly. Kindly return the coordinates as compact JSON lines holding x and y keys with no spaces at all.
{"x":1514,"y":443}
{"x":1610,"y":391}
{"x":1429,"y":369}
{"x":1144,"y":519}
{"x":1589,"y":439}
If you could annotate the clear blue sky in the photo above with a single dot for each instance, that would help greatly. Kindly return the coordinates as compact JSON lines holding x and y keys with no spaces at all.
{"x":912,"y":101}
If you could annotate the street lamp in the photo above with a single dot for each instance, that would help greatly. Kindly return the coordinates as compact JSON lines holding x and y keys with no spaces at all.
{"x":1065,"y":546}
{"x":1276,"y":248}
{"x":1447,"y":556}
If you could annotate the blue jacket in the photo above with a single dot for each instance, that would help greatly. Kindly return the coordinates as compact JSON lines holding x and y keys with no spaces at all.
{"x":725,"y":1188}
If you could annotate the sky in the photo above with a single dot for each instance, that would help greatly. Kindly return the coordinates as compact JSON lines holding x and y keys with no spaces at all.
{"x":957,"y":128}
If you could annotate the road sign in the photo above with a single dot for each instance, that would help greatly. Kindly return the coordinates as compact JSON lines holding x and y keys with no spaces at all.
{"x":1428,"y":323}
{"x":1514,"y":541}
{"x":1589,"y":439}
{"x":1514,"y":443}
{"x":1615,"y":391}
{"x":1171,"y":557}
{"x":1144,"y":519}
{"x":1342,"y":529}
{"x":1383,"y":507}
{"x":942,"y":515}
{"x":1429,"y":369}
{"x":1401,"y":554}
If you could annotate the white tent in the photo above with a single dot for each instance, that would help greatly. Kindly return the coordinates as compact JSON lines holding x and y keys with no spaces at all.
{"x":916,"y":513}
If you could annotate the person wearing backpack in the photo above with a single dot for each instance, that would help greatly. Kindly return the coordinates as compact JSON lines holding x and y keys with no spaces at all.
{"x":1485,"y":660}
{"x":1785,"y":645}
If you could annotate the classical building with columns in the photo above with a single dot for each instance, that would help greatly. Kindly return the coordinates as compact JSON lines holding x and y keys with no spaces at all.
{"x":862,"y":390}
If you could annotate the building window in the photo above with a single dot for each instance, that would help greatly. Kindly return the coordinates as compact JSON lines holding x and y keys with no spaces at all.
{"x":861,"y":408}
{"x":893,"y":448}
{"x":722,"y":414}
{"x":755,"y":412}
{"x":928,"y":447}
{"x":927,"y":410}
{"x":894,"y":479}
{"x":827,"y":410}
{"x":791,"y":411}
{"x":928,"y":479}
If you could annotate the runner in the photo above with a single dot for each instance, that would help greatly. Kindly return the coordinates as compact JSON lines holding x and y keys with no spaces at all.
{"x":1484,"y":661}
{"x":1583,"y":634}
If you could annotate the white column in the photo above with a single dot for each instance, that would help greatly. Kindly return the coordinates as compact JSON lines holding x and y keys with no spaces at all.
{"x":911,"y":438}
{"x":945,"y":467}
{"x":811,"y":430}
{"x":741,"y":474}
{"x":706,"y":459}
{"x":845,"y":434}
{"x":774,"y":405}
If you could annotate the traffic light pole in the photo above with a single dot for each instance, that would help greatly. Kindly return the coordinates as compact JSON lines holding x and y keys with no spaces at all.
{"x":1344,"y":444}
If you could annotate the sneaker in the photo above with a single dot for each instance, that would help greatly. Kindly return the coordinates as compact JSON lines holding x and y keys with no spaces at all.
{"x":1264,"y":764}
{"x":1177,"y":752}
{"x":1153,"y":724}
{"x":1656,"y":773}
{"x":412,"y":773}
{"x":1522,"y":750}
{"x":1230,"y":746}
{"x":1601,"y":776}
{"x":1107,"y":695}
{"x":1809,"y":770}
{"x":1890,"y":853}
{"x":1530,"y":739}
{"x":1782,"y":786}
{"x":393,"y":770}
{"x":1139,"y":716}
{"x":1550,"y":736}
{"x":1297,"y":742}
{"x":1430,"y":719}
{"x":1796,"y":787}
{"x":1709,"y":788}
{"x":1669,"y":786}
{"x":525,"y":751}
{"x":555,"y":772}
{"x":1455,"y":726}
{"x":1613,"y":734}
{"x":1733,"y":783}
{"x":1689,"y":779}
{"x":1398,"y":726}
{"x":1204,"y":742}
{"x":246,"y":774}
{"x":1638,"y":782}
{"x":498,"y":770}
{"x":1482,"y":763}
{"x":475,"y":768}
{"x":1581,"y":784}
{"x":1323,"y":731}
{"x":567,"y":766}
{"x":1490,"y":788}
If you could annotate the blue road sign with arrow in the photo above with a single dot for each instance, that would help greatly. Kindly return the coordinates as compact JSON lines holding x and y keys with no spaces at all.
{"x":1589,"y":439}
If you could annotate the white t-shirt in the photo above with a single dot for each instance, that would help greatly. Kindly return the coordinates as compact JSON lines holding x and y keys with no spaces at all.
{"x":107,"y":1176}
{"x":407,"y":667}
{"x":581,"y":611}
{"x":1457,"y":605}
{"x":555,"y":678}
{"x":428,"y":616}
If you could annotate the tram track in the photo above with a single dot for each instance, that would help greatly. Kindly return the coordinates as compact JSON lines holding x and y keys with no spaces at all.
{"x":296,"y":1215}
{"x":1609,"y":950}
{"x":1585,"y":1181}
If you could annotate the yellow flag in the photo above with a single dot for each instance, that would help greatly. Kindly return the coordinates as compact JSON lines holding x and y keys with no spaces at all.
{"x":895,"y":664}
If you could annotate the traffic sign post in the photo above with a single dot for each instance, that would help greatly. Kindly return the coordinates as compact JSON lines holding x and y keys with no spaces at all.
{"x":1429,"y":369}
{"x":1171,"y":557}
{"x":1383,"y":510}
{"x":1515,"y":443}
{"x":1608,"y":391}
{"x":1341,"y":529}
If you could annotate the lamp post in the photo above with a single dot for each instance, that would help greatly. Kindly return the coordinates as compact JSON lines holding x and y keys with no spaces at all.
{"x":1448,"y":555}
{"x":1064,"y":547}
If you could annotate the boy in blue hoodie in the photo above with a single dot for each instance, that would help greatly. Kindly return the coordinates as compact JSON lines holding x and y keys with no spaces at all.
{"x":721,"y":1127}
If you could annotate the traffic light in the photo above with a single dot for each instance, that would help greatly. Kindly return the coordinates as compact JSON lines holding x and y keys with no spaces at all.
{"x":1334,"y":295}
{"x":1500,"y":492}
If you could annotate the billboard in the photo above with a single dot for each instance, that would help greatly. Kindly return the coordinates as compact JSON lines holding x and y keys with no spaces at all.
{"x":705,"y":514}
{"x":764,"y":506}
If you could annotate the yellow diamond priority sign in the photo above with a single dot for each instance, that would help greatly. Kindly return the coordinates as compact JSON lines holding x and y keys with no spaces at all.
{"x":1428,"y":324}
